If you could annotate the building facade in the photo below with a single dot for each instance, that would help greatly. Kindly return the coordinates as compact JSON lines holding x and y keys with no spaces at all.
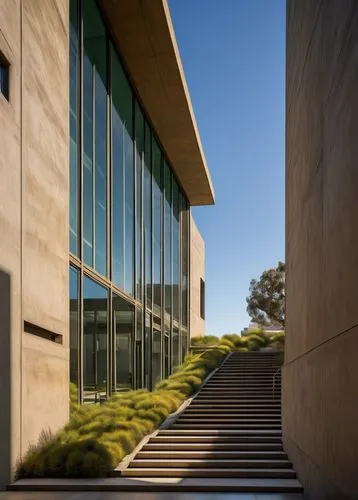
{"x":320,"y":404}
{"x":100,"y":163}
{"x":197,"y":282}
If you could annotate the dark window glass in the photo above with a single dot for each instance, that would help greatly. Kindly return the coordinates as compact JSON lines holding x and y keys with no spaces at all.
{"x":168,"y":241}
{"x":95,"y":340}
{"x":123,"y":334}
{"x":74,"y":326}
{"x":74,"y":114}
{"x":176,"y":249}
{"x":202,"y":298}
{"x":185,"y":259}
{"x":147,"y":213}
{"x":123,"y":177}
{"x":139,"y":131}
{"x":157,"y":227}
{"x":4,"y":77}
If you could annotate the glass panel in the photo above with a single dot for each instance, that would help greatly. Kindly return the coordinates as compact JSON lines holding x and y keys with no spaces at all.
{"x":139,"y":368}
{"x":184,"y":343}
{"x":123,"y":331}
{"x":74,"y":81}
{"x":101,"y":153}
{"x":156,"y":356}
{"x":123,"y":177}
{"x":147,"y":208}
{"x":185,"y":259}
{"x":176,"y":250}
{"x":87,"y":160}
{"x":139,"y":128}
{"x":95,"y":341}
{"x":166,"y":356}
{"x":157,"y":226}
{"x":175,"y":358}
{"x":168,"y":239}
{"x":74,"y":326}
{"x":148,"y":351}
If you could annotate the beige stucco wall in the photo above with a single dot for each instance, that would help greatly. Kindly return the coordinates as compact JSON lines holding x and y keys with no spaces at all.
{"x":197,"y":272}
{"x":33,"y":223}
{"x":321,"y":370}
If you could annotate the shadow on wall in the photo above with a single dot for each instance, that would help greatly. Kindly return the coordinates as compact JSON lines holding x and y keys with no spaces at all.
{"x":5,"y":378}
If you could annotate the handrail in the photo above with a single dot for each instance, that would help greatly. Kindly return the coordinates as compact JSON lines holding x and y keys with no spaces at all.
{"x":274,"y":381}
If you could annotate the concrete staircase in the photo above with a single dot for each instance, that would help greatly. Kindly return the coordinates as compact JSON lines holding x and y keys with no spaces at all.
{"x":230,"y":434}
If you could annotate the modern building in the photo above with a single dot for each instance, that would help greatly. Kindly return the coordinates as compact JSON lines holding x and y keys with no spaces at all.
{"x":100,"y":163}
{"x":320,"y":402}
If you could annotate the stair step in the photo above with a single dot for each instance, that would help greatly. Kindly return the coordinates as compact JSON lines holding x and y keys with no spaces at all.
{"x":219,"y":433}
{"x":246,"y":438}
{"x":204,"y":472}
{"x":215,"y":446}
{"x":230,"y":426}
{"x":224,"y":420}
{"x":194,"y":412}
{"x":209,"y":463}
{"x":242,"y":402}
{"x":171,"y":454}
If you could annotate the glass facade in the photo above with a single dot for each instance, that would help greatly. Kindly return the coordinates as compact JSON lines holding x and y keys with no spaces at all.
{"x":129,"y":229}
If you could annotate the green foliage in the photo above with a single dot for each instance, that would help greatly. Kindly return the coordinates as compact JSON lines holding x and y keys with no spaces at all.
{"x":210,"y":340}
{"x":266,"y":302}
{"x":98,"y":437}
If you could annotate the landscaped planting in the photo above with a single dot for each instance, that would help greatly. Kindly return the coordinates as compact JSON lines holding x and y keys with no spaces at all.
{"x":98,"y":437}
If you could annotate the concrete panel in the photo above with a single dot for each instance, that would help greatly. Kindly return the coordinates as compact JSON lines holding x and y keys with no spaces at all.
{"x":10,"y":243}
{"x":45,"y":400}
{"x":145,"y":37}
{"x":197,"y":272}
{"x":320,"y":375}
{"x":320,"y":415}
{"x":45,"y":164}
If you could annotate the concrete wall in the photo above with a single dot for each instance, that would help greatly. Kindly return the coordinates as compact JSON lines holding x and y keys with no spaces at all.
{"x":34,"y":218}
{"x":321,"y":370}
{"x":197,"y":272}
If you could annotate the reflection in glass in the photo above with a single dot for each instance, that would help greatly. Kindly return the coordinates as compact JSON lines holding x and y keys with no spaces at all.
{"x":185,"y":259}
{"x":168,"y":240}
{"x":74,"y":326}
{"x":157,"y":226}
{"x":123,"y":334}
{"x":148,"y":351}
{"x":176,"y":249}
{"x":175,"y":354}
{"x":139,"y":361}
{"x":166,"y":355}
{"x":74,"y":182}
{"x":156,"y":355}
{"x":139,"y":136}
{"x":122,"y":177}
{"x":147,"y":213}
{"x":95,"y":340}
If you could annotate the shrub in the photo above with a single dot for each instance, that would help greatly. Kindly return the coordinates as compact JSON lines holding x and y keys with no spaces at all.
{"x":211,"y":340}
{"x":98,"y":437}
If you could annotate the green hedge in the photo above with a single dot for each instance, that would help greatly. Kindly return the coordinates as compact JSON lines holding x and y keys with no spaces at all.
{"x":98,"y":437}
{"x":251,"y":341}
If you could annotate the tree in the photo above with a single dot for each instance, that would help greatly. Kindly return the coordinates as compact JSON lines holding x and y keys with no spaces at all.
{"x":266,"y":303}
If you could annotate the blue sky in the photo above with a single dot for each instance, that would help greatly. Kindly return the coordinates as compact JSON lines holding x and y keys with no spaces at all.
{"x":233,"y":52}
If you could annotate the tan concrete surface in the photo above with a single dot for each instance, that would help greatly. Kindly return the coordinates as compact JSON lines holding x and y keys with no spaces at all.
{"x":197,"y":271}
{"x":10,"y":243}
{"x":321,"y":373}
{"x":144,"y":35}
{"x":34,"y":223}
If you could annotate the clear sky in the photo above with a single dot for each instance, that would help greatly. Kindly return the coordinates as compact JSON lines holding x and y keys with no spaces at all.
{"x":233,"y":52}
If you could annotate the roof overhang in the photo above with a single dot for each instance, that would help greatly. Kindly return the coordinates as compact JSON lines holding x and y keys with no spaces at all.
{"x":144,"y":34}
